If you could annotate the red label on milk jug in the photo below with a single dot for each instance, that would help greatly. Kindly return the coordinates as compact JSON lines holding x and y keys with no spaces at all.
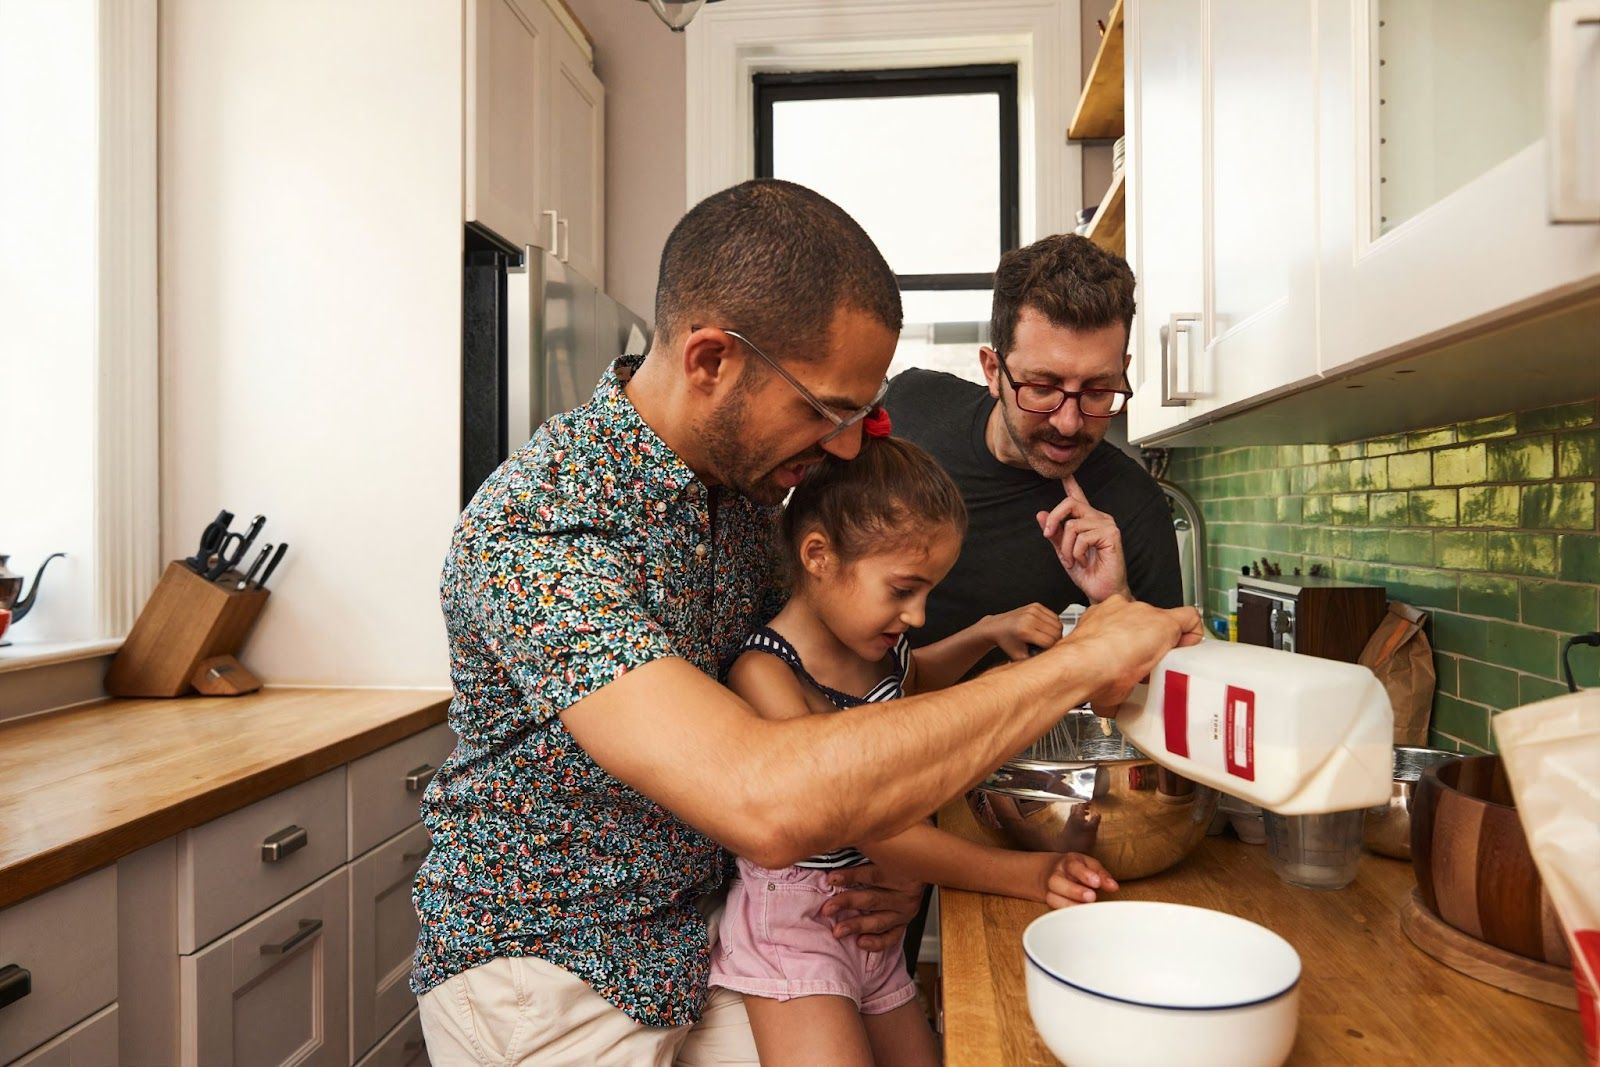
{"x":1175,"y":713}
{"x":1240,"y":740}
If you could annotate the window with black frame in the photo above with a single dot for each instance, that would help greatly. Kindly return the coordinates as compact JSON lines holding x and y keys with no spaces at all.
{"x":925,"y":159}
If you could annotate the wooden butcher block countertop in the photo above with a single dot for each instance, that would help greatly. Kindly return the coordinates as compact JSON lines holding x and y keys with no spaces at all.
{"x":84,"y":787}
{"x":1367,"y":995}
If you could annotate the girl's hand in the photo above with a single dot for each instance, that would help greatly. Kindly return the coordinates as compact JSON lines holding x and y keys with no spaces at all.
{"x":1015,"y":631}
{"x":1073,"y":878}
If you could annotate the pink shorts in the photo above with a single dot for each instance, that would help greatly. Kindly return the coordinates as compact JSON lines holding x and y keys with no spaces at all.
{"x":775,"y":943}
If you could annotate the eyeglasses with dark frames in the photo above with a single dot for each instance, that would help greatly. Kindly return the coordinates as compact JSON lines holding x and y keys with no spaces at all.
{"x":841,"y":423}
{"x":1038,"y":398}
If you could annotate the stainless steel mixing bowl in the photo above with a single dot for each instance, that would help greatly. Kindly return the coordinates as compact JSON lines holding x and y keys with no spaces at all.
{"x":1388,"y":828}
{"x":1109,"y":801}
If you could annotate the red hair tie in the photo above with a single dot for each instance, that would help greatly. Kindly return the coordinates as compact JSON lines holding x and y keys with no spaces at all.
{"x":877,"y":424}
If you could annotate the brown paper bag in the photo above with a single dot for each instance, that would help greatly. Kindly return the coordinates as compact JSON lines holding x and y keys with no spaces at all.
{"x":1400,"y":655}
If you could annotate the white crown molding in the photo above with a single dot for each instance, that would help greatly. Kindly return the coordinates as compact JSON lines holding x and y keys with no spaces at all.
{"x":730,"y":42}
{"x":127,"y":476}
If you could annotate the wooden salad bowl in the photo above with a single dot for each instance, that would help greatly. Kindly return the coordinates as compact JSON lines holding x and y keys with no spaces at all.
{"x":1474,"y":870}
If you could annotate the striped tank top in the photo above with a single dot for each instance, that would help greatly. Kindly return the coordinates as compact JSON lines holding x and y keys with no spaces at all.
{"x":891,"y":687}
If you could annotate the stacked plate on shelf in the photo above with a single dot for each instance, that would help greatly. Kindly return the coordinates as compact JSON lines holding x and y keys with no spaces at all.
{"x":1118,"y":153}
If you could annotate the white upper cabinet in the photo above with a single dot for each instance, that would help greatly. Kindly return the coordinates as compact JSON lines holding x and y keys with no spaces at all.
{"x":577,"y":119}
{"x":508,"y":77}
{"x":1316,"y":187}
{"x":535,"y":133}
{"x":1447,"y":126}
{"x":1223,"y":211}
{"x":1166,"y":209}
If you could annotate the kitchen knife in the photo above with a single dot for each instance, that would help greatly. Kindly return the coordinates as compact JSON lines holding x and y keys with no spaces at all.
{"x":276,"y":557}
{"x":266,"y":550}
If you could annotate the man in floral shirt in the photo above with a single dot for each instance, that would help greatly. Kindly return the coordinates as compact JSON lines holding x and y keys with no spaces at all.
{"x":595,"y":586}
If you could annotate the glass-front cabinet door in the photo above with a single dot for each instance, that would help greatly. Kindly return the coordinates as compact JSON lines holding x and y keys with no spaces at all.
{"x":1454,"y":134}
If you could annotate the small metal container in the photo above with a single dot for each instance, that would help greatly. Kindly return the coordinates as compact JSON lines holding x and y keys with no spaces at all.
{"x":1110,"y":802}
{"x":1388,"y":828}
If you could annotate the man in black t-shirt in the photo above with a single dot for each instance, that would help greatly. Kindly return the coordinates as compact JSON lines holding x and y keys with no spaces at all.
{"x":1056,"y":515}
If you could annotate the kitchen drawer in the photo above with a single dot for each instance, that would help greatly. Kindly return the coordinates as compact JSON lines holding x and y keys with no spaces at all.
{"x":92,"y":1043}
{"x":66,"y":942}
{"x":386,"y":787}
{"x":401,"y":1047}
{"x":275,"y":991}
{"x":243,"y":863}
{"x":383,"y":936}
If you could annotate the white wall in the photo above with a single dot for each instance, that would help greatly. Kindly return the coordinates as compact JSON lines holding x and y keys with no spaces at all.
{"x":49,"y":159}
{"x":641,"y":64}
{"x":311,"y":206}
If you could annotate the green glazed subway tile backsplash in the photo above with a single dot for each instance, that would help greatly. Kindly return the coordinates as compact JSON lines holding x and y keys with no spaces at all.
{"x":1489,"y":525}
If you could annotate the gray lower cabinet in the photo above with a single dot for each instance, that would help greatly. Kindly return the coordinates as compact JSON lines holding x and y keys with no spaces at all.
{"x":401,"y":1047}
{"x":275,"y":991}
{"x":58,"y":961}
{"x":92,"y":1043}
{"x":383,"y":936}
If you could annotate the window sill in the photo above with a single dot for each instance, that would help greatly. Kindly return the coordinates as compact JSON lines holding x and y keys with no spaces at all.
{"x":22,"y":655}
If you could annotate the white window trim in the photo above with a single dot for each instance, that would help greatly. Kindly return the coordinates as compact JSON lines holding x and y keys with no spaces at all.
{"x":127,"y":399}
{"x":729,"y":43}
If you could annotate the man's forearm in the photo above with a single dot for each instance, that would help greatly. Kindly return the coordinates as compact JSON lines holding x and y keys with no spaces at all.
{"x":874,"y":771}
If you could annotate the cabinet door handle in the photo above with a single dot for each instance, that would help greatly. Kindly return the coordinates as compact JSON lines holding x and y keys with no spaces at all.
{"x":1177,"y":339}
{"x":15,"y":983}
{"x":411,"y":1048}
{"x":308,"y":929}
{"x":564,"y":239}
{"x":550,"y":214}
{"x":417,"y":778}
{"x":285,"y":842}
{"x":1567,"y":201}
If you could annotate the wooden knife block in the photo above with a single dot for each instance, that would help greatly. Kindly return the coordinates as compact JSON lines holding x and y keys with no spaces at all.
{"x":187,"y":637}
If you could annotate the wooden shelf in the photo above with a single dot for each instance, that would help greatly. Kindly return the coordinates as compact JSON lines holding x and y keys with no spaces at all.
{"x":1099,"y":113}
{"x":1109,"y":227}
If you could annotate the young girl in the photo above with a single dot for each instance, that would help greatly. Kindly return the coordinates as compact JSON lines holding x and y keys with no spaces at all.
{"x":866,"y":540}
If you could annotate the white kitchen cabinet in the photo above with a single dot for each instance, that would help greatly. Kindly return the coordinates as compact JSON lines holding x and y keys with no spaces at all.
{"x":535,"y":133}
{"x":508,"y":84}
{"x":1165,"y":209}
{"x":58,"y":961}
{"x":92,"y":1043}
{"x":383,"y":936}
{"x":275,"y":991}
{"x":577,"y":160}
{"x":1445,"y":124}
{"x":1223,"y":210}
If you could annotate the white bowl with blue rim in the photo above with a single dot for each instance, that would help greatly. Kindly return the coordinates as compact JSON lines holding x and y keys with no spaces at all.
{"x":1135,"y":983}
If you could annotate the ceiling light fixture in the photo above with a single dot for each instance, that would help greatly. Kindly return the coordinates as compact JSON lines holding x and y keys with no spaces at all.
{"x":677,"y":13}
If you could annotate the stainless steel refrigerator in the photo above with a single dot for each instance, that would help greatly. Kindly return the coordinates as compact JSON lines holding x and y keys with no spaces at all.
{"x":536,"y":337}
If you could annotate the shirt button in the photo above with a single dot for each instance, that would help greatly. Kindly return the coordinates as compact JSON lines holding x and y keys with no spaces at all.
{"x":700,"y":551}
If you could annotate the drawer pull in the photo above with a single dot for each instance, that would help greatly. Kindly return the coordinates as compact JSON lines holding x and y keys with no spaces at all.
{"x":285,"y":842}
{"x":412,"y":857}
{"x":15,"y":983}
{"x":308,"y":928}
{"x":411,"y":1048}
{"x":417,"y":778}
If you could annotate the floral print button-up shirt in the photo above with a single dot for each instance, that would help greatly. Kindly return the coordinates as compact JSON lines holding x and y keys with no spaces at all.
{"x":588,"y":553}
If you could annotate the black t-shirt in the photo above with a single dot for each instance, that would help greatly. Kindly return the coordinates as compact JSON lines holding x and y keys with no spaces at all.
{"x":1005,"y":561}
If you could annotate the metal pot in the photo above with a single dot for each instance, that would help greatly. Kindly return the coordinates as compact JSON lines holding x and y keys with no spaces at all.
{"x":1388,"y":828}
{"x":1111,"y":802}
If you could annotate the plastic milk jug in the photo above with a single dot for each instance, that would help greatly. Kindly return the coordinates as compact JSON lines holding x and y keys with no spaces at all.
{"x":1295,"y":734}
